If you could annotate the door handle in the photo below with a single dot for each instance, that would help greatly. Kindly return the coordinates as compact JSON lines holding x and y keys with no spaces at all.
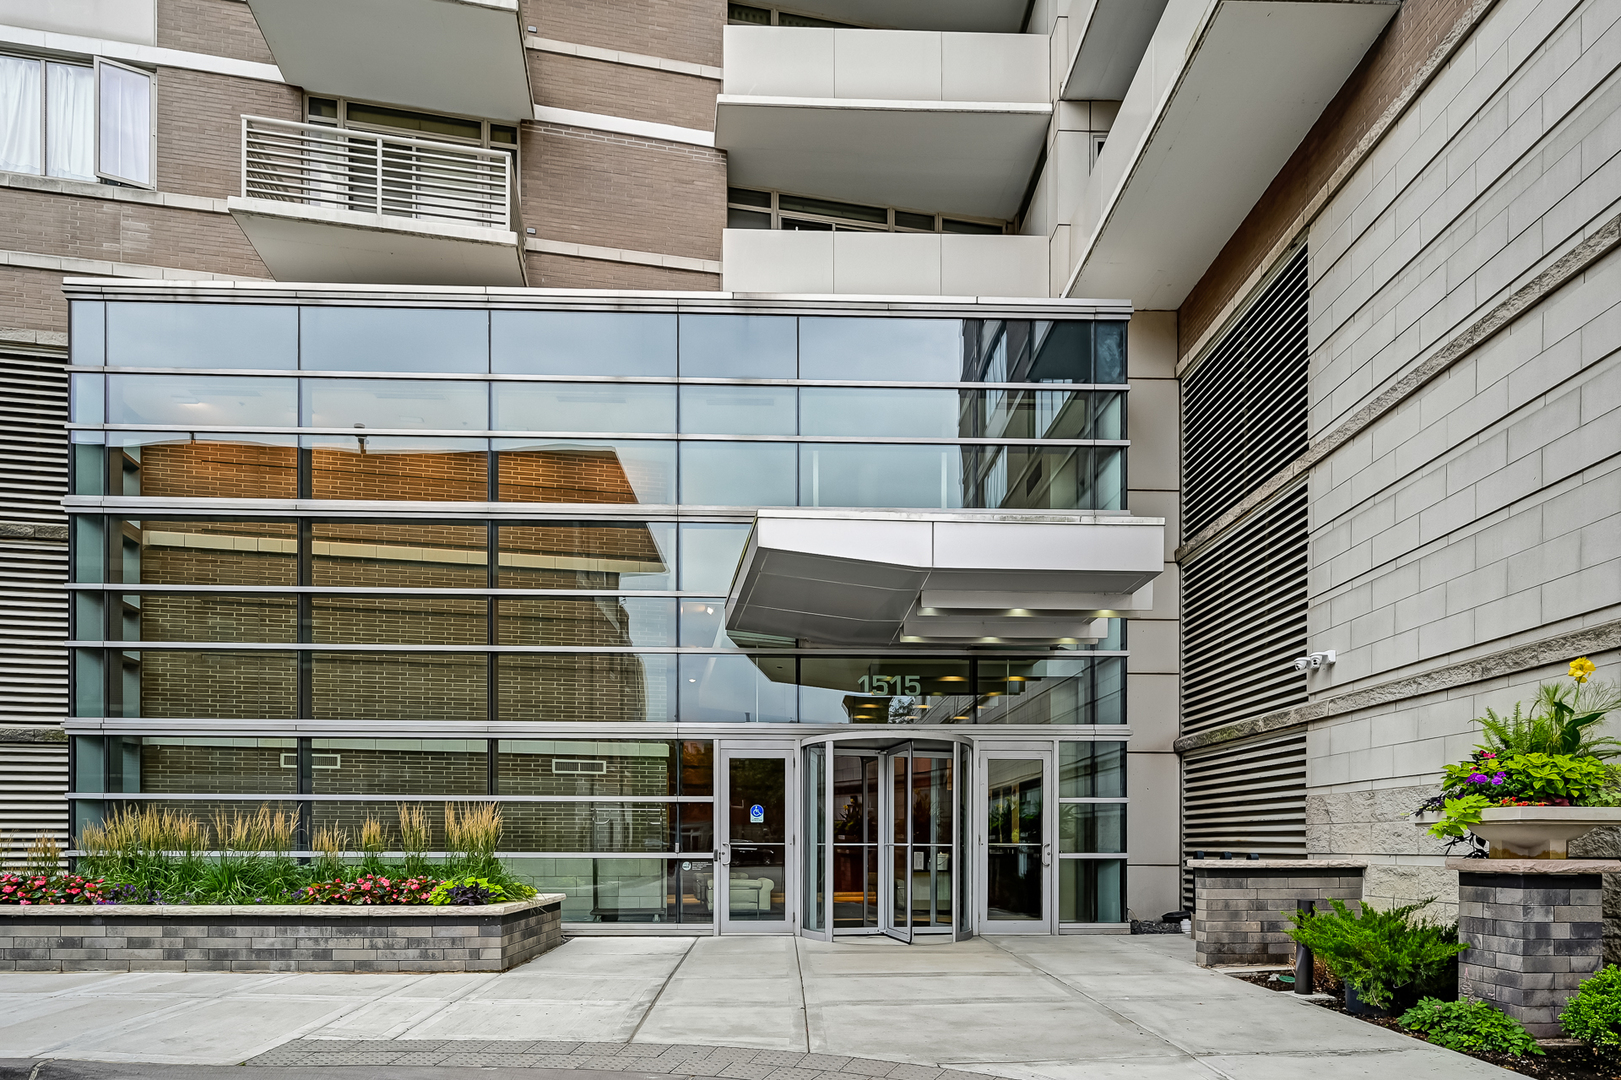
{"x":725,"y":855}
{"x":1046,"y":854}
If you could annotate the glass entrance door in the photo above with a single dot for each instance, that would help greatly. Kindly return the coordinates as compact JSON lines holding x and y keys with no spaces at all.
{"x":1016,"y":851}
{"x":752,"y":887}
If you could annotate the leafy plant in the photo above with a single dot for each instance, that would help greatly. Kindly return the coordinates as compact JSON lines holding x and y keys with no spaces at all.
{"x":370,"y":889}
{"x":38,"y":888}
{"x":1593,"y":1014}
{"x":1387,"y":956}
{"x":475,"y":890}
{"x":1469,"y":1027}
{"x":471,"y":836}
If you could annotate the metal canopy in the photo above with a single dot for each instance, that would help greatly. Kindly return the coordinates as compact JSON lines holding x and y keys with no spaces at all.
{"x":886,"y":577}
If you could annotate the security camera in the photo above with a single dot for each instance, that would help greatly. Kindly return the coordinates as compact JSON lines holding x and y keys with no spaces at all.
{"x":1313,"y":660}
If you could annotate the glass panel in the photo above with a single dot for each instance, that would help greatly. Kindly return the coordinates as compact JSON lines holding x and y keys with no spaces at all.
{"x":90,"y":548}
{"x":738,"y":410}
{"x":709,"y":556}
{"x":1092,"y":770}
{"x":737,"y":689}
{"x":89,"y":754}
{"x":874,"y":215}
{"x":185,"y":766}
{"x":1013,"y":839}
{"x":758,"y":812}
{"x":203,"y":400}
{"x":87,"y":319}
{"x":124,"y":116}
{"x":605,"y":767}
{"x":589,"y":826}
{"x":881,"y":350}
{"x":1111,"y":353}
{"x":173,"y":465}
{"x":612,"y":407}
{"x":895,"y":413}
{"x":579,"y":555}
{"x":20,"y":115}
{"x":900,"y":476}
{"x":212,"y":552}
{"x":389,"y":467}
{"x":744,"y":195}
{"x":394,"y":339}
{"x":207,"y":617}
{"x":740,"y":346}
{"x":855,"y":841}
{"x":1108,"y":415}
{"x":424,"y":123}
{"x":89,"y":682}
{"x":746,"y":219}
{"x":907,"y":220}
{"x":88,"y":468}
{"x":586,"y":471}
{"x":703,"y":626}
{"x":221,"y":685}
{"x":1062,"y":352}
{"x":1077,"y":690}
{"x":625,"y":890}
{"x":609,"y":621}
{"x":586,"y":687}
{"x":901,"y":690}
{"x":737,"y":474}
{"x":1034,"y":414}
{"x":1092,"y":827}
{"x":424,"y":404}
{"x":933,"y":804}
{"x":953,"y":225}
{"x":407,"y":555}
{"x":406,"y":620}
{"x":815,"y":819}
{"x":1047,"y":478}
{"x":259,"y":336}
{"x":581,"y":343}
{"x":1092,"y":890}
{"x":400,"y":767}
{"x":443,"y":687}
{"x":350,"y":817}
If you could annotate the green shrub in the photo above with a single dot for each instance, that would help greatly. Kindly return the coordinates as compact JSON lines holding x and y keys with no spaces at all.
{"x":1593,"y":1015}
{"x":1469,"y":1027}
{"x":1388,"y":956}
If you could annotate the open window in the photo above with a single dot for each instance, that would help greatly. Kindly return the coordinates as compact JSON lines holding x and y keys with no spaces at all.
{"x":126,"y":134}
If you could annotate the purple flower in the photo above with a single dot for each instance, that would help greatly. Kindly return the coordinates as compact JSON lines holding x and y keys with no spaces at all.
{"x":1499,"y":778}
{"x":1477,"y":778}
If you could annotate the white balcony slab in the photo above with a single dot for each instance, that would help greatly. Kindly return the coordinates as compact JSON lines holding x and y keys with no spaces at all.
{"x":315,"y":243}
{"x":448,"y":56}
{"x":1221,"y":98}
{"x":1107,"y":40}
{"x":862,"y":577}
{"x":885,"y":264}
{"x":120,"y":20}
{"x":985,"y":16}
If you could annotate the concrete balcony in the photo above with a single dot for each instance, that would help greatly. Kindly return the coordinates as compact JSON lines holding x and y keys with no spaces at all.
{"x":1106,"y":42}
{"x":1224,"y":93}
{"x":972,"y":16}
{"x":949,"y":122}
{"x":449,"y":56}
{"x":883,"y":263}
{"x":321,"y":203}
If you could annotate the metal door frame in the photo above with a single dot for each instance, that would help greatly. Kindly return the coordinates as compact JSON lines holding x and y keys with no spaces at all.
{"x":1048,"y":924}
{"x":888,"y":889}
{"x":725,"y":755}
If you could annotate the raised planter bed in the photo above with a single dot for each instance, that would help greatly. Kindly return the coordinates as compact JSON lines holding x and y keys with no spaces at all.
{"x":277,"y":937}
{"x":1539,"y":832}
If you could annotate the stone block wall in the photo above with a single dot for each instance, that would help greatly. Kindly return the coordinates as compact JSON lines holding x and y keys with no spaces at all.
{"x":1532,"y":939}
{"x":1241,"y":906}
{"x":279,"y":938}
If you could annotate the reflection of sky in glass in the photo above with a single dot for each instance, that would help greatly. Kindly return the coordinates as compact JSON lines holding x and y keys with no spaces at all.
{"x":612,"y":407}
{"x":393,"y":339}
{"x":201,"y":336}
{"x":738,"y":410}
{"x":738,"y":346}
{"x":709,"y":556}
{"x":926,"y":350}
{"x":207,"y":400}
{"x":895,"y":413}
{"x":432,"y":404}
{"x":581,"y":343}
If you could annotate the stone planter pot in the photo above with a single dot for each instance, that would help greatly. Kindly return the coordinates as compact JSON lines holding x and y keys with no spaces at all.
{"x":1539,"y":832}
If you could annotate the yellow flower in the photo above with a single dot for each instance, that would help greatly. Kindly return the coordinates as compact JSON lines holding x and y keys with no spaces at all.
{"x":1581,"y":668}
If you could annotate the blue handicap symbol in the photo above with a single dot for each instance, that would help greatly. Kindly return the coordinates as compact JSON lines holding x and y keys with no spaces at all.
{"x":756,"y":814}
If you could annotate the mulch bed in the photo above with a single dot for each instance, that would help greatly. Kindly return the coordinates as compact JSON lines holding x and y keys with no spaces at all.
{"x":1560,"y":1063}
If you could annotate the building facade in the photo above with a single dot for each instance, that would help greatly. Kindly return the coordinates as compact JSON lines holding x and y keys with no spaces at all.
{"x":1362,"y":252}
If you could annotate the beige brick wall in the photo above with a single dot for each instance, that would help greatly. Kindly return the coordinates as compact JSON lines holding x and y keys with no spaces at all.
{"x":1393,"y":61}
{"x":85,"y":228}
{"x":200,"y":127}
{"x":215,"y":27}
{"x":32,"y":299}
{"x":687,"y":30}
{"x":566,"y":272}
{"x":595,"y":187}
{"x":663,"y":97}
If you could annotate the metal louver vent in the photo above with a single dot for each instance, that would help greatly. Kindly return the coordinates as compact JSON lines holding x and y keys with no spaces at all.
{"x":1244,"y":407}
{"x":33,"y":626}
{"x":1244,"y":618}
{"x":33,"y":781}
{"x":1246,"y":796}
{"x":33,"y":444}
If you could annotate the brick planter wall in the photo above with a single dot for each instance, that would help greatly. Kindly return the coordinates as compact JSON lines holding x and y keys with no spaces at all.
{"x":1535,"y":930}
{"x":137,"y":937}
{"x":1240,"y":904}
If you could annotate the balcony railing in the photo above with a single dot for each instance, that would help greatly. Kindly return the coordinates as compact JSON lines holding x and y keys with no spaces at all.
{"x":342,"y":169}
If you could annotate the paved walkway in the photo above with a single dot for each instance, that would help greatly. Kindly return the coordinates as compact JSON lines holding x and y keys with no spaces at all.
{"x":1037,"y":1008}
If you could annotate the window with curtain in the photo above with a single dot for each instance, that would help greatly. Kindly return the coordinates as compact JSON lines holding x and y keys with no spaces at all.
{"x":49,"y":116}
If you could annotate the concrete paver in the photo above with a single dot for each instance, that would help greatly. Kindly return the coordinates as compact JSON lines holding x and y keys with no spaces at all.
{"x":742,"y":1008}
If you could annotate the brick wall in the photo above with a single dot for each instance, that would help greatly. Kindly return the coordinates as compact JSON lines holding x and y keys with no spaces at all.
{"x":32,"y":299}
{"x":169,"y":768}
{"x":88,"y":228}
{"x":272,"y":564}
{"x":342,"y":558}
{"x":582,"y":688}
{"x":417,"y":477}
{"x":446,"y":688}
{"x":687,"y":30}
{"x":663,"y":97}
{"x":364,"y":770}
{"x":218,"y":470}
{"x":228,"y":685}
{"x":211,"y":617}
{"x":214,"y":27}
{"x":410,"y":620}
{"x":594,"y":187}
{"x":200,"y":124}
{"x":1418,"y":28}
{"x":566,"y":272}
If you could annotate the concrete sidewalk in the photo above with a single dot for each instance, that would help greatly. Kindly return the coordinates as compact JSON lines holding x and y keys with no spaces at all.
{"x":1037,"y":1008}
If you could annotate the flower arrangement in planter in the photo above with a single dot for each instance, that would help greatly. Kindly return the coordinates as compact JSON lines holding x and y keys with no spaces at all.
{"x":160,"y":856}
{"x":1541,"y":778}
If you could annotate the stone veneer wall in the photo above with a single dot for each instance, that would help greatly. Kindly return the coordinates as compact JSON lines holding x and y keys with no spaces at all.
{"x":1241,"y":906}
{"x":278,"y":937}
